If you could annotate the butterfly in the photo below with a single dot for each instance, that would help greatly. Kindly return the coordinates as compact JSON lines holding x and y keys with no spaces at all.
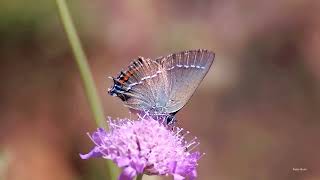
{"x":163,"y":86}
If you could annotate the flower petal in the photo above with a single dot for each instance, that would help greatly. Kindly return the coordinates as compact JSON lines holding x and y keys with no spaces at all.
{"x":193,"y":175}
{"x":95,"y":152}
{"x":172,"y":166}
{"x":195,"y":156}
{"x":122,"y":161}
{"x":128,"y":173}
{"x":178,"y":177}
{"x":96,"y":136}
{"x":138,"y":165}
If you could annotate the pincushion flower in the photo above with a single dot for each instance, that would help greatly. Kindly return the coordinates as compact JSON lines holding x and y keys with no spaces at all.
{"x":146,"y":146}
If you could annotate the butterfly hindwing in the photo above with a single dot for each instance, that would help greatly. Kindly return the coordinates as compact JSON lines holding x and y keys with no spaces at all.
{"x":184,"y":72}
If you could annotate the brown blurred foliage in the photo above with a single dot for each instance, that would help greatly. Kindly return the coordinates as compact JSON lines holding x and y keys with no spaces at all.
{"x":256,"y":113}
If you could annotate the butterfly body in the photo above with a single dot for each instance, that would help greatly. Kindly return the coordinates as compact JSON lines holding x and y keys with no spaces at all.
{"x":161,"y":87}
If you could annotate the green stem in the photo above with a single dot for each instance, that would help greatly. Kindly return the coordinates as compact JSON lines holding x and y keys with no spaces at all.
{"x":82,"y":63}
{"x":86,"y":76}
{"x":139,"y":177}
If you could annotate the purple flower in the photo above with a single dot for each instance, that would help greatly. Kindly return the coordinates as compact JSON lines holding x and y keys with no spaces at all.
{"x":146,"y":146}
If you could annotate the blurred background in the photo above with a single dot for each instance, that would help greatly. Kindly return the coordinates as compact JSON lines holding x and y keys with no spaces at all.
{"x":256,"y":113}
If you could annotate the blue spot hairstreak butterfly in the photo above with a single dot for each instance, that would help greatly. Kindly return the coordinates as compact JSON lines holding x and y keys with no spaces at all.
{"x":161,"y":87}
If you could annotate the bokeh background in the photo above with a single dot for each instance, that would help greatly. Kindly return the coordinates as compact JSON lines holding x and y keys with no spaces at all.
{"x":256,"y":113}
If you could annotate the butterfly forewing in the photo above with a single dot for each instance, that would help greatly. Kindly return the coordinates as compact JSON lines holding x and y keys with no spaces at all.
{"x":143,"y":86}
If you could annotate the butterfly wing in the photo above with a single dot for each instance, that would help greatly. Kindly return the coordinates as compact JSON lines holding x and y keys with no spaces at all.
{"x":164,"y":85}
{"x":141,"y":86}
{"x":184,"y":71}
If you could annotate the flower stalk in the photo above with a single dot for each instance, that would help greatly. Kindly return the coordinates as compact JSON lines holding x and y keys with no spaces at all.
{"x":139,"y":177}
{"x":81,"y":60}
{"x":86,"y":76}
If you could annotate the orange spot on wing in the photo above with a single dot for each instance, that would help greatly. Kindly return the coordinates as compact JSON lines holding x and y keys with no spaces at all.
{"x":121,"y":81}
{"x":126,"y":78}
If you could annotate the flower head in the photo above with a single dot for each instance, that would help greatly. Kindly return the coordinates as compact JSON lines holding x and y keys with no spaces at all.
{"x":146,"y":146}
